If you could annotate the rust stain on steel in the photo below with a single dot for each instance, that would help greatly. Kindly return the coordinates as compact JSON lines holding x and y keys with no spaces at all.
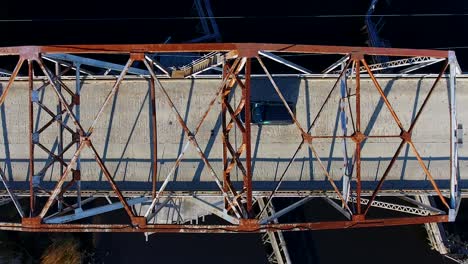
{"x":112,"y":182}
{"x":155,"y":137}
{"x":11,"y":80}
{"x":246,"y":136}
{"x":406,"y":137}
{"x":387,"y":170}
{"x":242,"y":54}
{"x":246,"y":48}
{"x":428,"y":96}
{"x":245,"y":226}
{"x":189,"y":134}
{"x":31,"y":145}
{"x":428,"y":174}
{"x":358,"y":137}
{"x":382,"y":94}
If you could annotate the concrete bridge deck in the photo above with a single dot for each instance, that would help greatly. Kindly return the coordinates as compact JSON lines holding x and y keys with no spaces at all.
{"x":123,"y":136}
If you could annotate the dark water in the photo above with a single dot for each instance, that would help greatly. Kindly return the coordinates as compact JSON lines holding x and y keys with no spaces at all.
{"x":404,"y":244}
{"x":263,"y":24}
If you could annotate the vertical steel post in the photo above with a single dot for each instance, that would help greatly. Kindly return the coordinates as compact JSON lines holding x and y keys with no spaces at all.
{"x":454,"y":195}
{"x":246,"y":136}
{"x":225,"y":134}
{"x":31,"y":143}
{"x":343,"y":119}
{"x":60,"y":128}
{"x":77,"y":115}
{"x":358,"y":130}
{"x":155,"y":136}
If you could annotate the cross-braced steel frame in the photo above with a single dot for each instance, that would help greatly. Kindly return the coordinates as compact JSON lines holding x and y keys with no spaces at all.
{"x":240,"y":208}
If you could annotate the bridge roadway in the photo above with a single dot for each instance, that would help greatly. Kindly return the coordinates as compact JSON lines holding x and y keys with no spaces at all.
{"x":123,"y":136}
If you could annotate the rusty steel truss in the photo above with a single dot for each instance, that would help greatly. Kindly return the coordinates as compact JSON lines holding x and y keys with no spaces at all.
{"x":241,"y":209}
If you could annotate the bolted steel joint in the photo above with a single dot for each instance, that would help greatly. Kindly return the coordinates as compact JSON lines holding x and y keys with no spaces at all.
{"x":249,"y":224}
{"x":358,"y":137}
{"x":358,"y":217}
{"x":137,"y":56}
{"x":191,"y":136}
{"x":32,"y":222}
{"x":247,"y":52}
{"x":30,"y":53}
{"x":85,"y":140}
{"x":138,"y":221}
{"x":357,"y":56}
{"x":406,"y":136}
{"x":307,"y":137}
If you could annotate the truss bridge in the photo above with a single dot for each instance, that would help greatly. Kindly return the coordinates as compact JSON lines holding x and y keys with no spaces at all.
{"x":230,"y":134}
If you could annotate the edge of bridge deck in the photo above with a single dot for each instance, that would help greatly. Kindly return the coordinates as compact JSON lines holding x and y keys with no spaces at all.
{"x":243,"y":48}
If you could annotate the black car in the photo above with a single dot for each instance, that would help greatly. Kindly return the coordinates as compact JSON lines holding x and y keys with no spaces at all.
{"x":269,"y":113}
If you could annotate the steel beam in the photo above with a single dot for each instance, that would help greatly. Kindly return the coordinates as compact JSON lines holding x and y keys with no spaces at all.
{"x":336,"y":64}
{"x":276,"y":239}
{"x":215,"y":210}
{"x":208,"y":47}
{"x":340,"y":209}
{"x":244,"y":227}
{"x":158,"y":208}
{"x":238,"y":205}
{"x":285,"y":210}
{"x":95,"y":63}
{"x":421,"y":205}
{"x":93,"y":211}
{"x":283,"y":61}
{"x":13,"y":197}
{"x":454,"y":171}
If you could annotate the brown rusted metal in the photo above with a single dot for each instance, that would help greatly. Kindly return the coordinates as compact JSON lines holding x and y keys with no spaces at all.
{"x":61,"y":181}
{"x":111,"y":181}
{"x":382,"y":94}
{"x":58,"y":93}
{"x":109,"y":96}
{"x":329,"y":96}
{"x":207,"y":47}
{"x":11,"y":80}
{"x":406,"y":137}
{"x":226,"y":128}
{"x":154,"y":130}
{"x":31,"y":144}
{"x":247,"y":226}
{"x":428,"y":96}
{"x":387,"y":170}
{"x":225,"y":136}
{"x":227,"y":146}
{"x":428,"y":174}
{"x":358,"y":137}
{"x":272,"y":81}
{"x":189,"y":134}
{"x":328,"y":176}
{"x":234,"y":201}
{"x":246,"y":137}
{"x":304,"y":136}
